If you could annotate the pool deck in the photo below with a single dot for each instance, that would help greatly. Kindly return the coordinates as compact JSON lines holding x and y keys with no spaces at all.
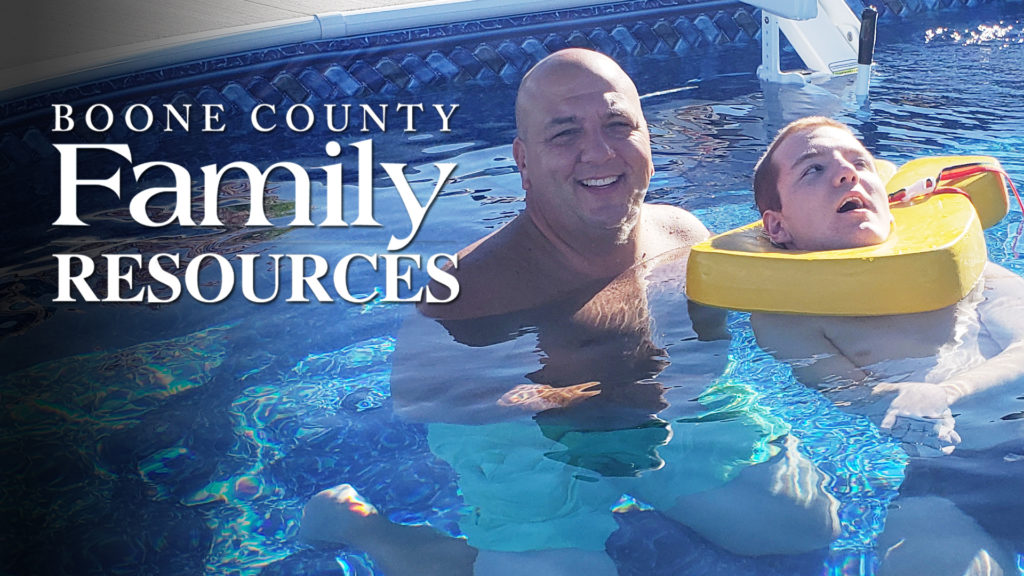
{"x":43,"y":38}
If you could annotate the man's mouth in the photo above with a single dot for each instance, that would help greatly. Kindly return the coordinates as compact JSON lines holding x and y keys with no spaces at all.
{"x":851,"y":203}
{"x":598,"y":182}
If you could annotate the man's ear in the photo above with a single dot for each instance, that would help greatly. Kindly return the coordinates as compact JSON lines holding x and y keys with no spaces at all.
{"x":775,"y":227}
{"x":519,"y":154}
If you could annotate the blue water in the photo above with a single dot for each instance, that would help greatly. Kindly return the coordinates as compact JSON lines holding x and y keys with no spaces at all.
{"x":186,"y":438}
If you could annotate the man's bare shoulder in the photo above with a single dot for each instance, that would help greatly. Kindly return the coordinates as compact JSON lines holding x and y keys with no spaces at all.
{"x":495,"y":275}
{"x":668,"y":228}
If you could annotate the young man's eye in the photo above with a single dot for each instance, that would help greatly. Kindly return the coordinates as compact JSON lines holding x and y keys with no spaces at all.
{"x":811,"y":169}
{"x":865,"y":163}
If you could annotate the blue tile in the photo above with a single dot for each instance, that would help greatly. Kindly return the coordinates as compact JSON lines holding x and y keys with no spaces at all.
{"x":39,"y":143}
{"x":369,"y":77}
{"x":183,"y":99}
{"x":487,"y":55}
{"x":434,"y":56}
{"x":514,"y":56}
{"x":419,"y":71}
{"x":346,"y":83}
{"x":394,"y":73}
{"x":896,"y":6}
{"x":487,"y":76}
{"x":625,"y":39}
{"x":239,"y":96}
{"x":443,"y":66}
{"x":666,"y":33}
{"x":748,"y":24}
{"x":576,"y":39}
{"x":207,"y":96}
{"x":510,"y":75}
{"x":602,"y":41}
{"x":724,"y":22}
{"x":647,"y":39}
{"x":535,"y":49}
{"x":708,"y":29}
{"x":689,"y":33}
{"x":263,"y":91}
{"x":914,"y":6}
{"x":465,"y":60}
{"x":15,"y":151}
{"x":319,"y":88}
{"x":554,"y":43}
{"x":290,"y":87}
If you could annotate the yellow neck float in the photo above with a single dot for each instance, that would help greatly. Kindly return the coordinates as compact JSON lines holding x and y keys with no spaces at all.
{"x":933,"y":258}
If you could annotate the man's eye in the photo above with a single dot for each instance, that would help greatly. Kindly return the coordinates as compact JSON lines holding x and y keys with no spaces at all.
{"x":620,"y":129}
{"x":565,"y":136}
{"x":811,"y":170}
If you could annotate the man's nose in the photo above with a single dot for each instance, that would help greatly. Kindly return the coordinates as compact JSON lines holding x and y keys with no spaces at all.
{"x":595,"y":147}
{"x":845,"y":173}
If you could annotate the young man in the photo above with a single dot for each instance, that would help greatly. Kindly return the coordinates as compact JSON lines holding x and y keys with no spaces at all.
{"x":817,"y":188}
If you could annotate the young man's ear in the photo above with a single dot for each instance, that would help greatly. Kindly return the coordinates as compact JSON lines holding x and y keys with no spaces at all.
{"x":775,"y":227}
{"x":519,"y":154}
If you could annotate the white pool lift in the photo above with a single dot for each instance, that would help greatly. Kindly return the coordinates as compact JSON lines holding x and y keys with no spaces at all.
{"x":824,"y":33}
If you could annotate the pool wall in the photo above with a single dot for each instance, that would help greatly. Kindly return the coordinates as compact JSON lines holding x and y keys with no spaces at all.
{"x":480,"y":53}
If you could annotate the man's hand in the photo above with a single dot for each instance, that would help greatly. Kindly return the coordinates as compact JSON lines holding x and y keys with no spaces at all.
{"x":920,"y":417}
{"x":540,"y":397}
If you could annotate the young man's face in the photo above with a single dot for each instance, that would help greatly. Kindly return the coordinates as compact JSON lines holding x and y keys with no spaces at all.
{"x":831,"y":195}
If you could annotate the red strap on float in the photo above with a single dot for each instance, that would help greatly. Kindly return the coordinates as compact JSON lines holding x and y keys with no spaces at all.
{"x":928,"y":186}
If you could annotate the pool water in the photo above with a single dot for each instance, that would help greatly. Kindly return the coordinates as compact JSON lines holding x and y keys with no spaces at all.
{"x":186,"y":438}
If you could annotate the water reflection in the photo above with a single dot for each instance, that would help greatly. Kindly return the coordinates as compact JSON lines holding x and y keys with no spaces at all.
{"x":550,"y":416}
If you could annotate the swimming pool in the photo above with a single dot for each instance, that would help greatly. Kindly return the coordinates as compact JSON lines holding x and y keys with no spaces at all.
{"x":187,"y":437}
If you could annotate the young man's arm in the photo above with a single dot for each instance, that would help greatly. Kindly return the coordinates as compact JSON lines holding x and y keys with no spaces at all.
{"x":801,"y":342}
{"x":916,"y":412}
{"x":1002,"y":316}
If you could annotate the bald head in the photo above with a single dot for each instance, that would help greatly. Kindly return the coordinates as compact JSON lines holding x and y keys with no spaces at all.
{"x":557,"y":70}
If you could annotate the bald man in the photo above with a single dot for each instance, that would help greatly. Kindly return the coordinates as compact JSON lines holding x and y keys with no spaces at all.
{"x":584,"y":154}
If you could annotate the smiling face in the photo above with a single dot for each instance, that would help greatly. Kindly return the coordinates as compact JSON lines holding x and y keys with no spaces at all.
{"x":830,"y":193}
{"x":583,"y":148}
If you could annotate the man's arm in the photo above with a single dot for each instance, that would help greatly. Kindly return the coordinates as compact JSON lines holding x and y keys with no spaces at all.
{"x":435,"y":378}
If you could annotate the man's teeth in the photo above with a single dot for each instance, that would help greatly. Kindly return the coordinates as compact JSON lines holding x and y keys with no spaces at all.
{"x":600,"y":181}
